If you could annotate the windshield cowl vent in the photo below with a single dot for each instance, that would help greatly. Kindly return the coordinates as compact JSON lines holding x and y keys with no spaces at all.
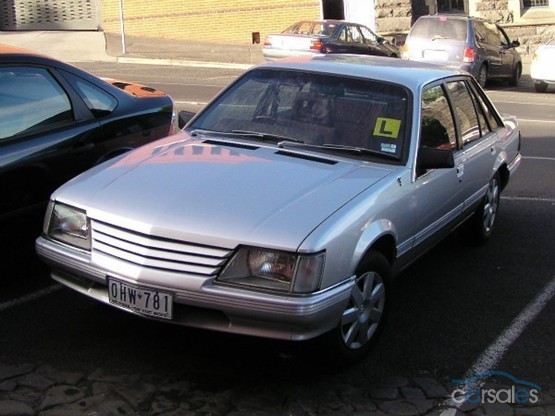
{"x":306,"y":157}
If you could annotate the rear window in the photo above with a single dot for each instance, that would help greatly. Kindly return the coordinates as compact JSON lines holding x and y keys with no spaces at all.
{"x":440,"y":28}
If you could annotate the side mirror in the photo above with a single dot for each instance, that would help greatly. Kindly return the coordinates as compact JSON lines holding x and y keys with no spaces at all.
{"x":429,"y":158}
{"x":515,"y":44}
{"x":184,"y":117}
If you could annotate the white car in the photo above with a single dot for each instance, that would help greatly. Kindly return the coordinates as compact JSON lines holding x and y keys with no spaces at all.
{"x":541,"y":69}
{"x":287,"y":205}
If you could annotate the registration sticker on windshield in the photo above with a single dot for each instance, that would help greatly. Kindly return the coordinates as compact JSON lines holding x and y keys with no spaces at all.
{"x":387,"y":127}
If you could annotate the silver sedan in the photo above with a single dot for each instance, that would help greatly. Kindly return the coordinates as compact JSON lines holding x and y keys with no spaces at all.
{"x":285,"y":208}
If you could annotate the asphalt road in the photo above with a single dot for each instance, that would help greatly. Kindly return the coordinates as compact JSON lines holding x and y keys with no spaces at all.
{"x":450,"y":307}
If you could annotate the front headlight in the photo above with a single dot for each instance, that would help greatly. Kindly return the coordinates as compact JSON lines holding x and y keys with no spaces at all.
{"x":69,"y":225}
{"x":274,"y":270}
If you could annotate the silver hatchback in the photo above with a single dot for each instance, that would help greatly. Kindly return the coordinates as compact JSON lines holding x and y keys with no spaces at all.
{"x":472,"y":44}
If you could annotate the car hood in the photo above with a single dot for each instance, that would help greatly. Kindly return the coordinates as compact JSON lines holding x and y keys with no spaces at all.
{"x":219,"y":192}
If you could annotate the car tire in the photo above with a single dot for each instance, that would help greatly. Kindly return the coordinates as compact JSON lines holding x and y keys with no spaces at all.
{"x":540,"y":86}
{"x":479,"y":227}
{"x":365,"y":313}
{"x":483,"y":76}
{"x":517,"y":72}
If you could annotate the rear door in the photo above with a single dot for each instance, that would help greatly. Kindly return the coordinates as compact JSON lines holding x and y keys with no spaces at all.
{"x":477,"y":137}
{"x":487,"y":38}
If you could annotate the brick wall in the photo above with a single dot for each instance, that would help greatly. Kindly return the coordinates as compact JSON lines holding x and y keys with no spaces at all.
{"x":231,"y":21}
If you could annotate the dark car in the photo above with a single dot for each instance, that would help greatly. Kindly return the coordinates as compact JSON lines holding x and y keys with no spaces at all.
{"x":469,"y":43}
{"x":56,"y":121}
{"x":310,"y":37}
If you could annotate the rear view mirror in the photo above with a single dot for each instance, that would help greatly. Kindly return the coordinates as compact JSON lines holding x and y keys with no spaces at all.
{"x":429,"y":158}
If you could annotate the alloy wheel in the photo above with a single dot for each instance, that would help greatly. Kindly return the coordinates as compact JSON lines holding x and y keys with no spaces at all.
{"x":362,"y":317}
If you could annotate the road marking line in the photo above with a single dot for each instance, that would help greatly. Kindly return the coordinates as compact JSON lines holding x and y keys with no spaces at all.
{"x":538,"y":158}
{"x":190,"y":102}
{"x":530,"y":120}
{"x":528,"y":198}
{"x":30,"y":297}
{"x":495,"y":352}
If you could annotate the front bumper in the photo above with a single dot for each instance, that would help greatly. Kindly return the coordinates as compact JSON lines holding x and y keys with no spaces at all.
{"x":212,"y":306}
{"x":543,"y":73}
{"x":514,"y":165}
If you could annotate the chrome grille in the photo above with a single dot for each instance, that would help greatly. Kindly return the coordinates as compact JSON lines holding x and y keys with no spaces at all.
{"x":157,"y":252}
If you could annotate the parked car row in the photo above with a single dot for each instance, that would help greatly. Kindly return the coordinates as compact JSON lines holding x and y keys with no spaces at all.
{"x":472,"y":44}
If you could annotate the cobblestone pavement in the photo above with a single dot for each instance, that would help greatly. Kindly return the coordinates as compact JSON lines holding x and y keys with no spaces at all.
{"x":27,"y":390}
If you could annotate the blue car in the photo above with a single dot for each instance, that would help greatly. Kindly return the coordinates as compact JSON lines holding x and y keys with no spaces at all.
{"x":469,"y":43}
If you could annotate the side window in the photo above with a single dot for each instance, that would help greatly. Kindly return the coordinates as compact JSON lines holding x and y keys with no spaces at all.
{"x":347,"y":34}
{"x":504,"y":39}
{"x":479,"y":31}
{"x":437,"y":128}
{"x":369,"y":36}
{"x":343,"y":34}
{"x":32,"y":101}
{"x":357,"y":36}
{"x":492,"y":34}
{"x":97,"y":100}
{"x":493,"y":121}
{"x":464,"y":111}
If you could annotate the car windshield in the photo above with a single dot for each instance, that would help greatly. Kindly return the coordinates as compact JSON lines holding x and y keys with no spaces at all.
{"x":323,"y":112}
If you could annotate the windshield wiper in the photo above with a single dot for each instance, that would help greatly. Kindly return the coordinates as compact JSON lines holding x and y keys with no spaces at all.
{"x":265,"y":136}
{"x":248,"y":133}
{"x":359,"y":150}
{"x":436,"y":37}
{"x":341,"y":148}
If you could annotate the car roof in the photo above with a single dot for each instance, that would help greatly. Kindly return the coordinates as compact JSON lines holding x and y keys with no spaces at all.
{"x":409,"y":73}
{"x":331,"y":21}
{"x":458,"y":16}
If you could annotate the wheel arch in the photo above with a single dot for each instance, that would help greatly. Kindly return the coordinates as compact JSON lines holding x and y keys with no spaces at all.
{"x":380,"y":236}
{"x":504,"y":175}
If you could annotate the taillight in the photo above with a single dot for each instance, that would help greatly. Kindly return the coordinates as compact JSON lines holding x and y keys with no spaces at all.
{"x":469,"y":54}
{"x":316,"y":45}
{"x":267,"y":42}
{"x":405,"y":51}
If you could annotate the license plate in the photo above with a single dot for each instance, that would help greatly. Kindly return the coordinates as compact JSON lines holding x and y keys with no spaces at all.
{"x":435,"y":55}
{"x":154,"y":303}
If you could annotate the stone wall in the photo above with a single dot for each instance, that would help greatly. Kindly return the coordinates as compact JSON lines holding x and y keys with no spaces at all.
{"x":393,"y":15}
{"x":530,"y":36}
